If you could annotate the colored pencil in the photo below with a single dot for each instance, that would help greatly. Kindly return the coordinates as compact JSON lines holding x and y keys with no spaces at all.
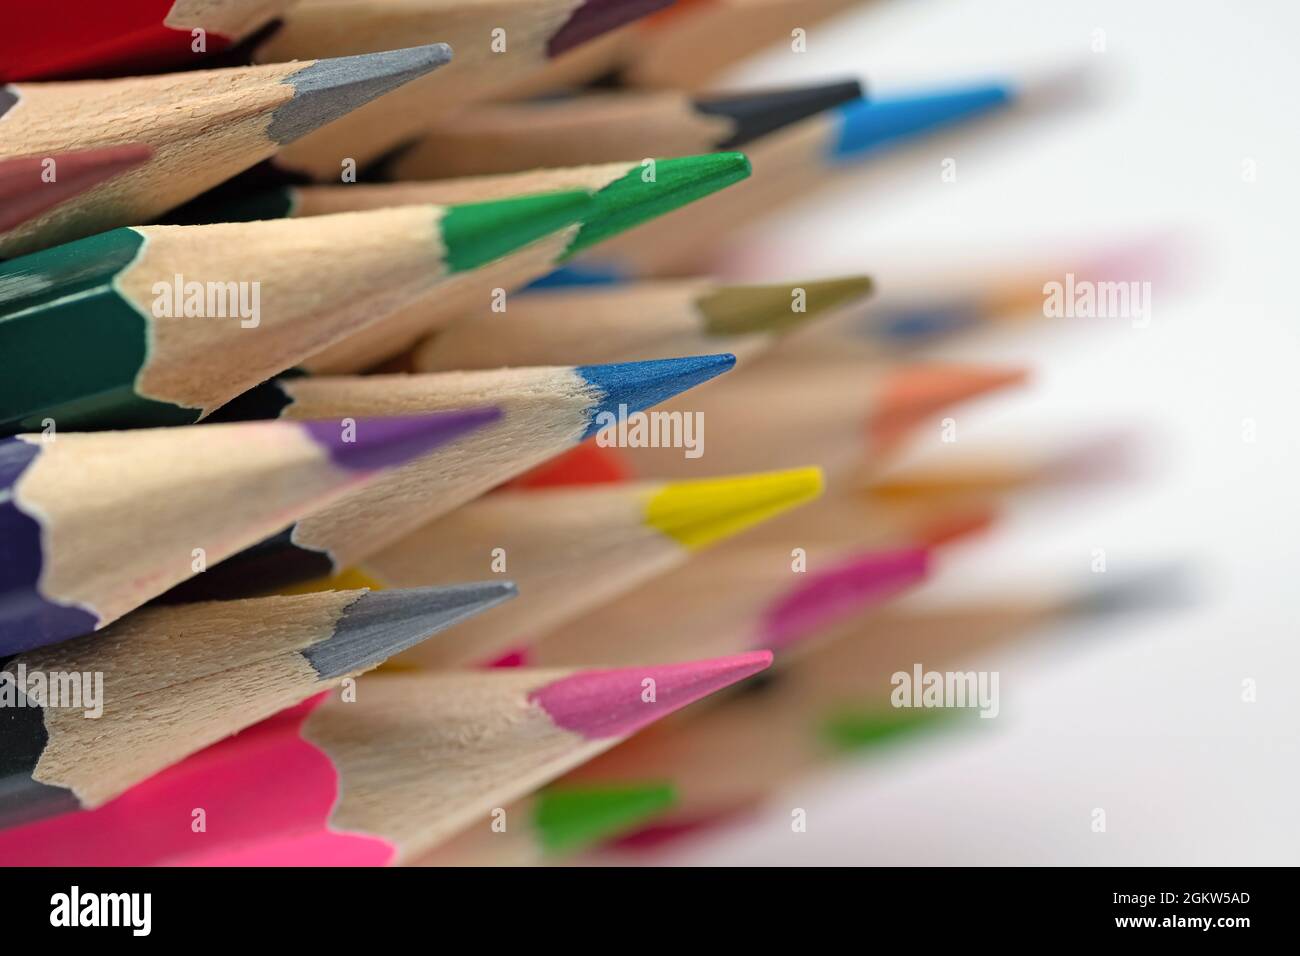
{"x":383,"y":779}
{"x":1048,"y":464}
{"x":93,"y":525}
{"x":690,"y":47}
{"x":585,"y":464}
{"x":890,"y":513}
{"x":496,"y":43}
{"x":91,"y":38}
{"x":546,"y":410}
{"x":161,"y":325}
{"x":203,"y":128}
{"x":571,"y":550}
{"x":824,"y":149}
{"x":31,"y":185}
{"x":624,"y":196}
{"x":175,"y":679}
{"x":835,"y":701}
{"x":851,"y":517}
{"x":555,"y":823}
{"x":711,"y":36}
{"x":728,"y":601}
{"x":494,"y":138}
{"x":923,"y":306}
{"x":838,"y":413}
{"x":636,"y":321}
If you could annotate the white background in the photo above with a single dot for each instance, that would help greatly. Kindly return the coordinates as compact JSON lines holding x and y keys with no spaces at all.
{"x":1143,"y":716}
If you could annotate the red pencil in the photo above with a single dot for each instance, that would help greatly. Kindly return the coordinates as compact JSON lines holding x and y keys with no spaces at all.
{"x":29,"y":185}
{"x":86,"y":38}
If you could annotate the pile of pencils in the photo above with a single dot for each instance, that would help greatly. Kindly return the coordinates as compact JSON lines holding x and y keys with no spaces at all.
{"x":341,"y":336}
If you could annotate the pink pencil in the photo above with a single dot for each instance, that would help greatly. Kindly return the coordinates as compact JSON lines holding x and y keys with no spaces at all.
{"x":734,"y":599}
{"x":380,"y":779}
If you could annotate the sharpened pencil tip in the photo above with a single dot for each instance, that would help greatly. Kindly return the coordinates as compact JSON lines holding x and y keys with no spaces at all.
{"x":846,"y":588}
{"x":753,"y":309}
{"x":367,"y":444}
{"x":327,"y":89}
{"x":571,"y":818}
{"x":380,"y":624}
{"x":872,"y":124}
{"x":477,"y":233}
{"x":758,"y":113}
{"x":595,"y":17}
{"x":600,"y":704}
{"x":634,"y":386}
{"x":699,"y":513}
{"x":912,"y":393}
{"x":654,"y":187}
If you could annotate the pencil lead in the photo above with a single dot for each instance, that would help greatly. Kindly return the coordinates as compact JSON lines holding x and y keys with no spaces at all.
{"x":634,"y":386}
{"x":572,"y":818}
{"x":599,"y":704}
{"x":654,"y":187}
{"x":848,"y":587}
{"x":25,"y":193}
{"x":699,"y":513}
{"x":744,"y":310}
{"x":327,"y":89}
{"x":1158,"y":587}
{"x":381,"y":624}
{"x":370,"y":443}
{"x":477,"y":233}
{"x":759,"y":113}
{"x":877,"y":123}
{"x":857,"y":730}
{"x":594,"y":17}
{"x":913,"y":392}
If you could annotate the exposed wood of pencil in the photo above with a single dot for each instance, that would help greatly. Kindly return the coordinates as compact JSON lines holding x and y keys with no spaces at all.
{"x":495,"y":44}
{"x":203,"y":127}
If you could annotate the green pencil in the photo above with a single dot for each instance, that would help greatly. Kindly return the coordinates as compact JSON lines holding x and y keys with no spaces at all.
{"x":625,"y":195}
{"x":160,"y":325}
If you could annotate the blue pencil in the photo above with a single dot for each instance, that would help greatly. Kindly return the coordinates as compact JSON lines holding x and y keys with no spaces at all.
{"x":547,"y":410}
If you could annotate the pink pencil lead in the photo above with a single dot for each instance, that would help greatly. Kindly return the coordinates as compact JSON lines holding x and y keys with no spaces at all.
{"x":599,"y":704}
{"x":848,"y":587}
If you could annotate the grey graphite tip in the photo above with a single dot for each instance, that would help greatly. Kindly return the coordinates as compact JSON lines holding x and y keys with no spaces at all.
{"x":327,"y":89}
{"x":379,"y":624}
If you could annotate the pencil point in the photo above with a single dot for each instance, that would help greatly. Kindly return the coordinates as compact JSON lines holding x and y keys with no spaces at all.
{"x":599,"y":704}
{"x":750,"y":309}
{"x":327,"y":89}
{"x":366,"y":444}
{"x":380,"y":624}
{"x":920,"y":390}
{"x":594,"y":17}
{"x":634,"y":386}
{"x":871,"y":124}
{"x":765,"y":111}
{"x":477,"y":233}
{"x":1154,"y":588}
{"x":857,"y":730}
{"x":846,"y":588}
{"x":25,"y":192}
{"x":699,"y":513}
{"x":572,"y":818}
{"x":654,"y":187}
